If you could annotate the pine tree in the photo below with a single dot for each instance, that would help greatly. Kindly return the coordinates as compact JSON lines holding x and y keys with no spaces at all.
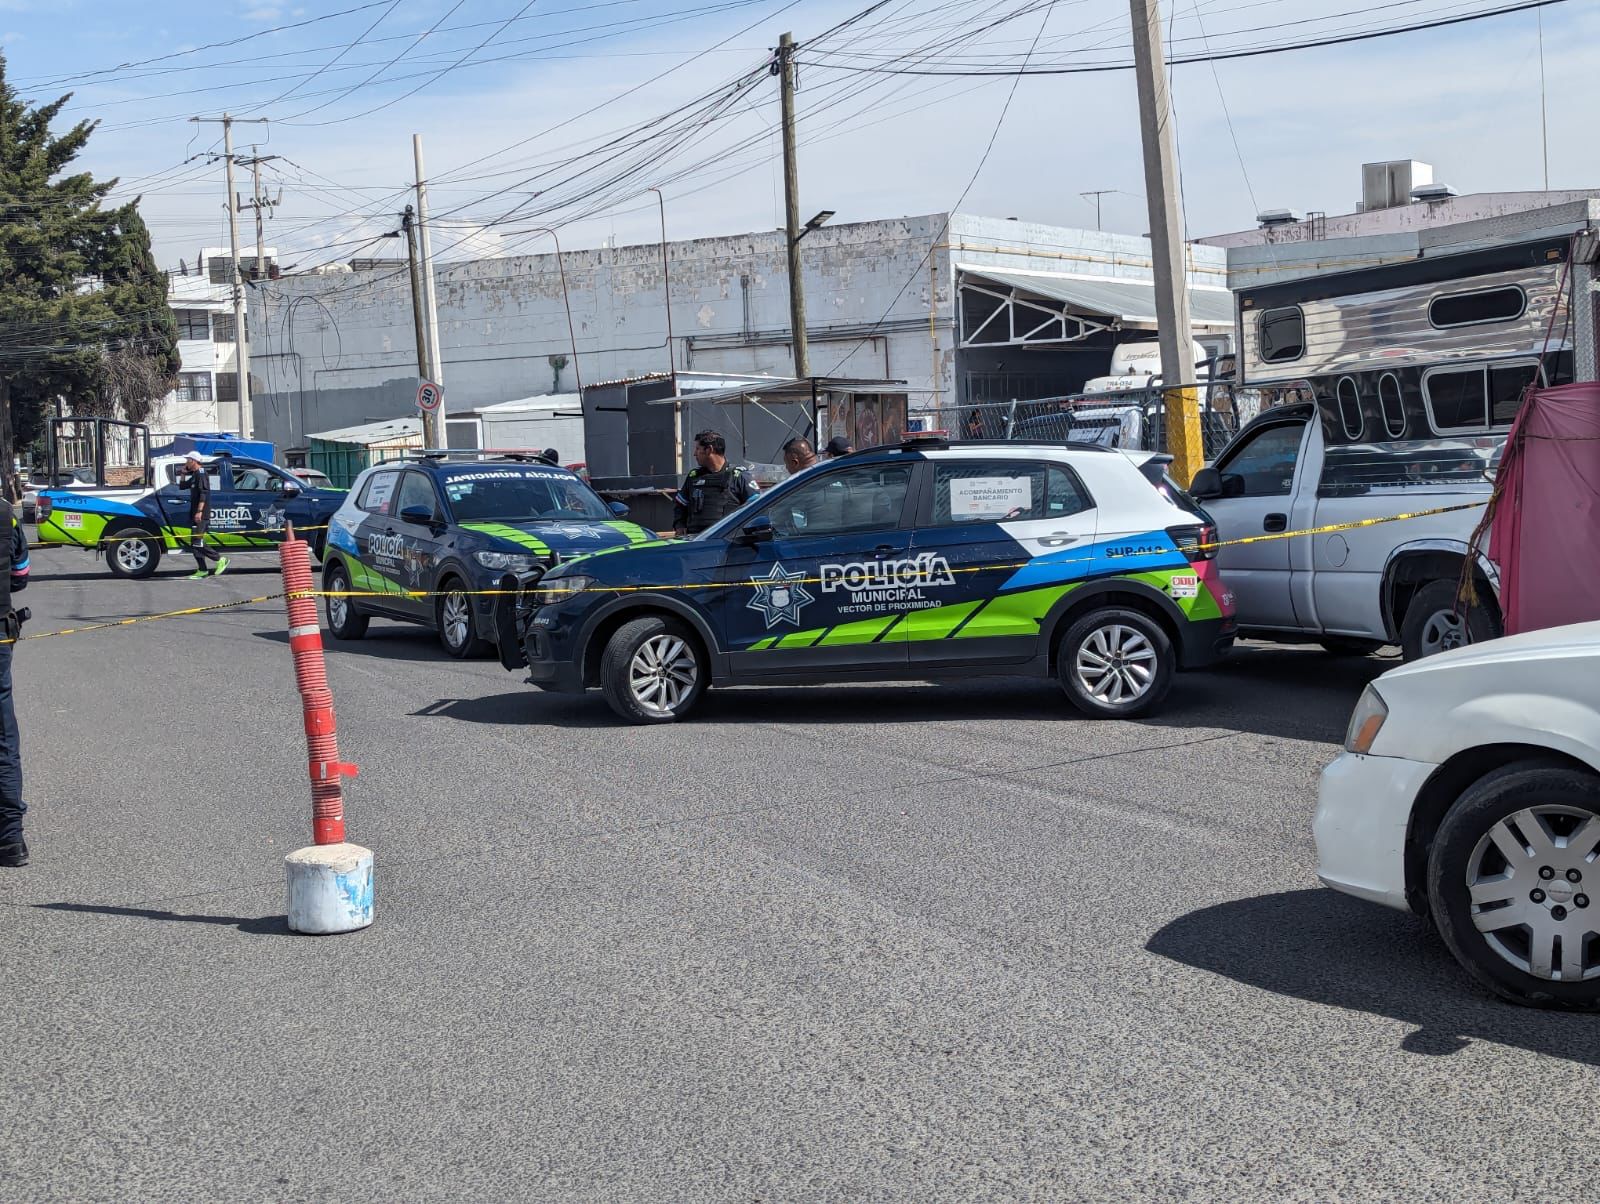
{"x":83,"y":307}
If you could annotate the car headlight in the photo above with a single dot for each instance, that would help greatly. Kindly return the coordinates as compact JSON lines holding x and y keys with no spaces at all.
{"x":1366,"y":722}
{"x":551,"y":590}
{"x":514,"y":562}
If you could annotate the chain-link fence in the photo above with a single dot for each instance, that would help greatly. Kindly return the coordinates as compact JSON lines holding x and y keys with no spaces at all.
{"x":1133,"y":419}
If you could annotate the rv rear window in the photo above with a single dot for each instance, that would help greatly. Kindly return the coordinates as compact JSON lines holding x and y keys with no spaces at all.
{"x":1350,"y":415}
{"x":1469,"y":309}
{"x":1458,"y":399}
{"x":1283,"y":334}
{"x":1392,"y":405}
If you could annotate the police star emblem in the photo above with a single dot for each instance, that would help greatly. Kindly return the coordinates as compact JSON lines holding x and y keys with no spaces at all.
{"x":779,"y":596}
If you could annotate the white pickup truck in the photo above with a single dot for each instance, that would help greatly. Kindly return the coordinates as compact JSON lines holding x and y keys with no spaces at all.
{"x":1352,"y":591}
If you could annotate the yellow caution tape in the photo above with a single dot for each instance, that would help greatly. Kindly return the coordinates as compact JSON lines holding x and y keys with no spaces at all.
{"x":169,"y":614}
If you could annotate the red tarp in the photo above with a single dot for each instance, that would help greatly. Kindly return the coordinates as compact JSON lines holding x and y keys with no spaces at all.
{"x":1546,"y":535}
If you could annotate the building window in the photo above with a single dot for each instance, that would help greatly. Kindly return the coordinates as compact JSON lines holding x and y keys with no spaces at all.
{"x":1470,"y":309}
{"x":194,"y":386}
{"x":1393,"y":407}
{"x":193,"y":323}
{"x":222,"y":328}
{"x":1282,"y":334}
{"x":1350,"y":415}
{"x":228,"y":386}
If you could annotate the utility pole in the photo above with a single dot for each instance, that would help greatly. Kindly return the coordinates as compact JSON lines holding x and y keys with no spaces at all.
{"x":241,"y":347}
{"x":260,"y":204}
{"x":791,"y":198}
{"x":430,"y":431}
{"x":1167,"y":249}
{"x":430,"y":298}
{"x":1097,"y":194}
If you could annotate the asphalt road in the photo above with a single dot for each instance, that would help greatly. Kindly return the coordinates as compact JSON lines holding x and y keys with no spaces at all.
{"x":909,"y":942}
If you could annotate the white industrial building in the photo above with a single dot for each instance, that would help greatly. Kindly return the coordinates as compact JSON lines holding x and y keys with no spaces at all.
{"x":961,"y":308}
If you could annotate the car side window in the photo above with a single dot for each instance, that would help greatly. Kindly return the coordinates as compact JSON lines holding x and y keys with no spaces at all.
{"x":377,"y":495}
{"x":255,"y":480}
{"x":868,"y":497}
{"x":1266,"y":461}
{"x":417,"y":490}
{"x":990,"y":491}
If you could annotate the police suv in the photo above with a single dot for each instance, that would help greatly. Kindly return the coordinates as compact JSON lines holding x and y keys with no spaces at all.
{"x":421,"y":540}
{"x":923,"y":561}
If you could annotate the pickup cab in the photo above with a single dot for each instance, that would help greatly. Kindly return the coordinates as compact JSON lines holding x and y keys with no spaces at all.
{"x":1355,"y":590}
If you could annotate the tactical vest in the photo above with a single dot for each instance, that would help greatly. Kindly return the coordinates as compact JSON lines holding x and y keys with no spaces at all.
{"x":712,"y":496}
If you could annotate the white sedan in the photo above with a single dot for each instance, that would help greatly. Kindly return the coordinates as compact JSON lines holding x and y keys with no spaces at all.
{"x":1469,"y":792}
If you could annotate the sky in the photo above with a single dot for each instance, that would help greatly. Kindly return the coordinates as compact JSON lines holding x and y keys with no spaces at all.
{"x":561,"y":113}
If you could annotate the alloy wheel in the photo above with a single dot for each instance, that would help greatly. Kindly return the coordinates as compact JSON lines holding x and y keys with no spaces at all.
{"x":1115,"y":664}
{"x":1444,"y":630}
{"x":1529,"y":880}
{"x":132,"y":555}
{"x":457,"y":619}
{"x":663,"y":674}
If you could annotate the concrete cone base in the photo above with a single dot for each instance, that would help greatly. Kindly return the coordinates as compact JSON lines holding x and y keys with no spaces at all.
{"x":330,"y":888}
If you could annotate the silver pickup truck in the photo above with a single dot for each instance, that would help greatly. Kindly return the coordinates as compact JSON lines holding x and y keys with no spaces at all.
{"x":1352,"y":591}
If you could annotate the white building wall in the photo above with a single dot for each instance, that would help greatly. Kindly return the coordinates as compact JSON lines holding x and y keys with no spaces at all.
{"x":879,"y":299}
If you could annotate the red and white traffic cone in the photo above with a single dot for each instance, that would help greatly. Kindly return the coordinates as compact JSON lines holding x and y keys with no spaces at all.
{"x":330,"y":882}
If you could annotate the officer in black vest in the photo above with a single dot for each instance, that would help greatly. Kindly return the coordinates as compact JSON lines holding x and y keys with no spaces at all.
{"x":712,"y":491}
{"x":13,"y":577}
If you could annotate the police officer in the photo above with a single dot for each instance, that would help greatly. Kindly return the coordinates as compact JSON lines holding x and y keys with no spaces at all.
{"x":712,"y":491}
{"x":195,"y":480}
{"x":13,"y":577}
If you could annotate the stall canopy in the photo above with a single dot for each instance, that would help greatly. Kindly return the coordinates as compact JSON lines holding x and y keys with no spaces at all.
{"x":215,"y":444}
{"x":1030,"y":308}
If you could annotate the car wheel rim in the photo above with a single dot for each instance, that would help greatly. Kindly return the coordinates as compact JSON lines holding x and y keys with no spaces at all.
{"x":1527,"y":883}
{"x":1116,"y":664}
{"x":338,"y":608}
{"x":132,"y":555}
{"x":1443,"y":631}
{"x":457,"y":618}
{"x":662,"y":674}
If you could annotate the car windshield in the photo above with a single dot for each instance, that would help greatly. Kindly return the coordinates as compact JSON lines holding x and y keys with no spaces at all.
{"x":520,"y":495}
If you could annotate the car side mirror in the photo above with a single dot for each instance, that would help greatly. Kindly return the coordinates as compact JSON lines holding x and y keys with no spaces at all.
{"x":620,"y":509}
{"x":420,"y":515}
{"x":757,"y":530}
{"x":1207,"y":484}
{"x":289,"y":489}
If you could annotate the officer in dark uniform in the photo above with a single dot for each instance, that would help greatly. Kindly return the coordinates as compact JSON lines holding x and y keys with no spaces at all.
{"x":13,"y":577}
{"x":712,"y":491}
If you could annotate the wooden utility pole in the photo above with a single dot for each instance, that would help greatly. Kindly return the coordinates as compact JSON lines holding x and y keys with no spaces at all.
{"x":1167,"y":249}
{"x":240,"y":345}
{"x":430,"y":423}
{"x":791,"y":199}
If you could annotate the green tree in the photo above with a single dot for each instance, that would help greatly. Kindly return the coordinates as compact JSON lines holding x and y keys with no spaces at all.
{"x":83,"y":307}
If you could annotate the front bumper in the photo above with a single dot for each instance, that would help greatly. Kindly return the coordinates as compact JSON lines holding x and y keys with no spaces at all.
{"x":1363,"y":813}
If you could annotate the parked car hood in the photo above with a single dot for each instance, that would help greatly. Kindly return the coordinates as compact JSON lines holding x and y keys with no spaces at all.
{"x":1578,"y":639}
{"x":566,"y":537}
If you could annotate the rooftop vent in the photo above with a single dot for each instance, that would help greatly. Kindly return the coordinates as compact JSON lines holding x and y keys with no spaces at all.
{"x":1277,"y":217}
{"x":1433,"y":193}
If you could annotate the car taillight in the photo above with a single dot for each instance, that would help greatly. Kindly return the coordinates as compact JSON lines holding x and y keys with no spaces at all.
{"x":1197,"y":542}
{"x":42,"y":508}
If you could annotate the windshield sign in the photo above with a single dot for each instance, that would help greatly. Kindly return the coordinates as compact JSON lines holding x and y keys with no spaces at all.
{"x":520,"y":495}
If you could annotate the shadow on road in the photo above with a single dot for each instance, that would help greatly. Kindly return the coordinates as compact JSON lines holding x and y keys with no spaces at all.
{"x":397,"y":643}
{"x":264,"y":926}
{"x":1328,"y":948}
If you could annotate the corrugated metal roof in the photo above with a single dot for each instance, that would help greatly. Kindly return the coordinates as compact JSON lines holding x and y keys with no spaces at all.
{"x":1123,"y":300}
{"x":540,"y":402}
{"x":371,"y":433}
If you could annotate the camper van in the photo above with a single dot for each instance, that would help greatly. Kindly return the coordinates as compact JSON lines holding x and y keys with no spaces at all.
{"x":1138,"y":366}
{"x":1414,"y":370}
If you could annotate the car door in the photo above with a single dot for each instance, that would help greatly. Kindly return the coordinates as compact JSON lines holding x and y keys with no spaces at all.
{"x":174,"y":502}
{"x":1259,"y":476}
{"x":828,"y":590}
{"x":252,"y":500}
{"x":419,"y":543}
{"x":379,"y":568}
{"x":982,"y":520}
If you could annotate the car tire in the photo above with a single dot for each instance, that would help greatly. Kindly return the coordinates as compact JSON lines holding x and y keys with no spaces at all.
{"x":652,"y":670}
{"x":1432,"y":624}
{"x":319,"y":546}
{"x":345,"y":620}
{"x":1115,"y":663}
{"x":1344,"y":645}
{"x":452,"y":616}
{"x":132,"y":552}
{"x":1533,"y":809}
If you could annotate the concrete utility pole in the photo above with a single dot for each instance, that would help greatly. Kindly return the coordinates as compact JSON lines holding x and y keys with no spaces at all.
{"x":241,"y":347}
{"x":791,"y":200}
{"x":431,"y":300}
{"x":430,"y":423}
{"x":1166,"y":243}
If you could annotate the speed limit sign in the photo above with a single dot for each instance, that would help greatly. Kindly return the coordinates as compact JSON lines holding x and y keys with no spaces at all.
{"x":429,"y":395}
